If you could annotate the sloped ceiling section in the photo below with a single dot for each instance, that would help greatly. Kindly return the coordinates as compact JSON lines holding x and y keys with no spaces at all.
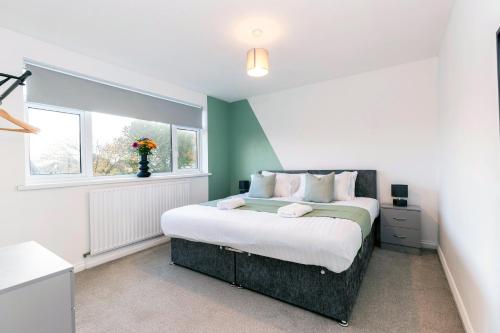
{"x":201,"y":45}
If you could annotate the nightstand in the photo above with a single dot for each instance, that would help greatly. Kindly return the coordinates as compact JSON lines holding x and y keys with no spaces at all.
{"x":400,"y":228}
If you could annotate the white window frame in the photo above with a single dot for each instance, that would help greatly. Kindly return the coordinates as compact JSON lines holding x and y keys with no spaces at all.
{"x":83,"y":147}
{"x":175,"y":152}
{"x":86,"y":152}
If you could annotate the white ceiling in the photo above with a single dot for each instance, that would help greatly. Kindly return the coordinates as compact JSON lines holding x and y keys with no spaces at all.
{"x":202,"y":45}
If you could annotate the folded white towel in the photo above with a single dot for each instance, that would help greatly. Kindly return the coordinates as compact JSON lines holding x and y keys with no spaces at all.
{"x":230,"y":203}
{"x":294,"y":210}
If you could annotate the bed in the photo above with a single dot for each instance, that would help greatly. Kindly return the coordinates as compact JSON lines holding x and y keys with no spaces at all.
{"x":316,"y":263}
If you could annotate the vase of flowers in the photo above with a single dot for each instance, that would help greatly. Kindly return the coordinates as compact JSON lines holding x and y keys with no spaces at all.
{"x":144,"y":146}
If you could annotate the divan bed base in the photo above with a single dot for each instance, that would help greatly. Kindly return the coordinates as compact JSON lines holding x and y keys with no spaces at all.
{"x":209,"y":259}
{"x":313,"y":288}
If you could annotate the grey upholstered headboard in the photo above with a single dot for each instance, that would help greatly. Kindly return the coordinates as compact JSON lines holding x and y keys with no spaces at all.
{"x":366,"y":182}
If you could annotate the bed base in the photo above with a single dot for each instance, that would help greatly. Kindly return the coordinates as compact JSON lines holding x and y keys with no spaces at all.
{"x":313,"y":288}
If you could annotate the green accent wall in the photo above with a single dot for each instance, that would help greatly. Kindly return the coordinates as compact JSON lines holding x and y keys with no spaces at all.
{"x":249,"y":146}
{"x":237,"y":146}
{"x":218,"y":148}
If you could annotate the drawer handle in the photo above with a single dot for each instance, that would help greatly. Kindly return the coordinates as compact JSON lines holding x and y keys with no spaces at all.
{"x":399,"y":236}
{"x":399,"y":219}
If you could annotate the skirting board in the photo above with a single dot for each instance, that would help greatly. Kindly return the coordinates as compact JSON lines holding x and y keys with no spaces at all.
{"x":428,"y":245}
{"x":456,"y":294}
{"x":100,"y":259}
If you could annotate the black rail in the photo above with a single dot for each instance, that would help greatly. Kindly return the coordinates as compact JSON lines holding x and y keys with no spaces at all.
{"x":18,"y":81}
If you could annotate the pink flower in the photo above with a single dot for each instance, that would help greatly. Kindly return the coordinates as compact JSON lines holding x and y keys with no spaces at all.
{"x":135,"y":145}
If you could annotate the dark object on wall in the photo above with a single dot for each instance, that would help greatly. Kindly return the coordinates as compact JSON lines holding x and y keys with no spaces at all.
{"x":144,"y":169}
{"x":399,"y":191}
{"x":244,"y":186}
{"x":18,"y":81}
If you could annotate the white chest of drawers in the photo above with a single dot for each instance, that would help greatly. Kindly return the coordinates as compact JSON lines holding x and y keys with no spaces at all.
{"x":36,"y":291}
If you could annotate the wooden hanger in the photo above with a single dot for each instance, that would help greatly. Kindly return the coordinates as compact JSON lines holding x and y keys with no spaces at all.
{"x":24,"y":127}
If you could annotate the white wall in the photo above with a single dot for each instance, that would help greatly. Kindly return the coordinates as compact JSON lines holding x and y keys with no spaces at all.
{"x":58,"y":218}
{"x":385,"y":120}
{"x":470,"y":168}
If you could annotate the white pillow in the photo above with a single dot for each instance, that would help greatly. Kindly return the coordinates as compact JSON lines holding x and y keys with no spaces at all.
{"x":286,"y":184}
{"x":301,"y":190}
{"x":344,"y":188}
{"x":352,"y":189}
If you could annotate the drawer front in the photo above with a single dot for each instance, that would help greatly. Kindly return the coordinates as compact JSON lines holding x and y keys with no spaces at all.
{"x":205,"y":258}
{"x":401,"y":218}
{"x":400,"y":236}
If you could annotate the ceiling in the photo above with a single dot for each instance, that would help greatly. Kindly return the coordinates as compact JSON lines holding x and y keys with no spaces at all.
{"x":202,"y":45}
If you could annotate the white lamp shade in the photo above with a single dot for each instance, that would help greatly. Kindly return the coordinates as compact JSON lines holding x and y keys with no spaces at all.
{"x":257,"y":62}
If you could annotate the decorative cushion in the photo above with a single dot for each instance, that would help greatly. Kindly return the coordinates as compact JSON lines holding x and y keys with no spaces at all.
{"x":345,"y":183}
{"x":262,"y":186}
{"x":319,"y":189}
{"x":286,"y":183}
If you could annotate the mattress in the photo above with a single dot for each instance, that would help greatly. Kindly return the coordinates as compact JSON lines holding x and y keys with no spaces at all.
{"x":321,"y":241}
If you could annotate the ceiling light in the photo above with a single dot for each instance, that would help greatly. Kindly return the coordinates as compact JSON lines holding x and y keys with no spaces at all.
{"x":257,"y":32}
{"x":266,"y":29}
{"x":257,"y":62}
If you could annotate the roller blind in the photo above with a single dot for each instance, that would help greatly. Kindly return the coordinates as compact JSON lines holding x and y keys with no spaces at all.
{"x":54,"y":88}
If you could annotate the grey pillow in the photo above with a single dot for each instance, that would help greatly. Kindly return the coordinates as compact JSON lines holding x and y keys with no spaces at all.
{"x":262,"y":186}
{"x":319,"y":189}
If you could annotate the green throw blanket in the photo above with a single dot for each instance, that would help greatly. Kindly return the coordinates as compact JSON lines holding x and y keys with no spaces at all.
{"x":355,"y":214}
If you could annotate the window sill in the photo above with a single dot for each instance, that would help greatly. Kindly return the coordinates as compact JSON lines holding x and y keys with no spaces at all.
{"x":112,"y":180}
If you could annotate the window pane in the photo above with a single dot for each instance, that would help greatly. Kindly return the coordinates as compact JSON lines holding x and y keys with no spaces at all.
{"x":187,"y":142}
{"x":56,"y":149}
{"x":112,"y":138}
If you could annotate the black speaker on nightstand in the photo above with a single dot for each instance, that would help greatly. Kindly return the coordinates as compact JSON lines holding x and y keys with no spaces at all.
{"x":399,"y":192}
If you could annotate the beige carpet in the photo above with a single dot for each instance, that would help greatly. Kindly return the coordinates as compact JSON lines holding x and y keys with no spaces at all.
{"x":142,"y":293}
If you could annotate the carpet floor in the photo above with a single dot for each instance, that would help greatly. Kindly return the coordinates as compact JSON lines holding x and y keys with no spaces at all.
{"x":142,"y":293}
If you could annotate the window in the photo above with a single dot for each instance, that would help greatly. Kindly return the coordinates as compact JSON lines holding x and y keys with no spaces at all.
{"x":57,"y":149}
{"x":112,"y":153}
{"x":79,"y":144}
{"x":187,"y":149}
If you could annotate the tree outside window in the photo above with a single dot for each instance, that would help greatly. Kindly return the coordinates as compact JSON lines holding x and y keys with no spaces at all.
{"x":187,"y":142}
{"x":112,"y":150}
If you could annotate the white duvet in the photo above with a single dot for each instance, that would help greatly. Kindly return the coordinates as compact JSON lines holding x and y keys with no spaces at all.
{"x":320,"y":241}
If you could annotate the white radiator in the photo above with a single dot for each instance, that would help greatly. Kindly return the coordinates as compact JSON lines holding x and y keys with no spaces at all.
{"x":125,"y":215}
